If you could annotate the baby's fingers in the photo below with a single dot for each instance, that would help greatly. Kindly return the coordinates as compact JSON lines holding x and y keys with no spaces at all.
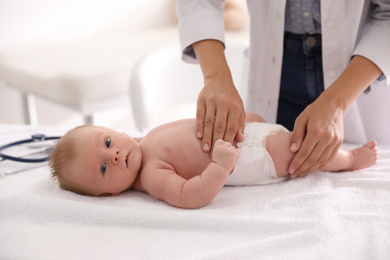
{"x":219,"y":142}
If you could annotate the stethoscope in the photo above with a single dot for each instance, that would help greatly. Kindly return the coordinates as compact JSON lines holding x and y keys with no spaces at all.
{"x":34,"y":138}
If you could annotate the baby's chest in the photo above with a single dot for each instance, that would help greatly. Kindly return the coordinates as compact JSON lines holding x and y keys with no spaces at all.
{"x":182,"y":158}
{"x":187,"y":161}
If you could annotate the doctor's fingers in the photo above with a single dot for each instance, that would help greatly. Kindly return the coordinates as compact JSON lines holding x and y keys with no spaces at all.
{"x":241,"y":127}
{"x":322,"y":153}
{"x":207,"y":124}
{"x":327,"y":156}
{"x":311,"y":164}
{"x":200,"y":114}
{"x":229,"y":120}
{"x":227,"y":123}
{"x":220,"y":125}
{"x":305,"y":150}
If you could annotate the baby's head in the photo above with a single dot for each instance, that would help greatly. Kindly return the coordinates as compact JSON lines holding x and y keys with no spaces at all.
{"x":96,"y":161}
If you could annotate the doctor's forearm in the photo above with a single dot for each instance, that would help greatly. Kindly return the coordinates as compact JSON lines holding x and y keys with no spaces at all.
{"x":220,"y":112}
{"x":358,"y":75}
{"x":211,"y":57}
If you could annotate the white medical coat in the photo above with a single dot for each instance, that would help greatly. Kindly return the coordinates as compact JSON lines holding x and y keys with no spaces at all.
{"x":349,"y":27}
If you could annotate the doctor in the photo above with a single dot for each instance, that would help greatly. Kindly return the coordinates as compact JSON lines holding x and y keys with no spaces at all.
{"x":309,"y":60}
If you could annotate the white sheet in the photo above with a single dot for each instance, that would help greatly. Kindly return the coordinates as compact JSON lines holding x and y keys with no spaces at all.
{"x":322,"y":216}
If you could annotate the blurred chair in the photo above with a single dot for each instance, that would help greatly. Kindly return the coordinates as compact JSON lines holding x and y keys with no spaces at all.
{"x":87,"y":75}
{"x":76,"y":54}
{"x":164,"y":88}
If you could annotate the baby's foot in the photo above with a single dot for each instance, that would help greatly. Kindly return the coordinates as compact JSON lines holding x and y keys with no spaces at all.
{"x":364,"y":156}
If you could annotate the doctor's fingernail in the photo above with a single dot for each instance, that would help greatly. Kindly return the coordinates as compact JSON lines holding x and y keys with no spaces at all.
{"x":292,"y":171}
{"x":205,"y":147}
{"x":293,"y":146}
{"x":199,"y":134}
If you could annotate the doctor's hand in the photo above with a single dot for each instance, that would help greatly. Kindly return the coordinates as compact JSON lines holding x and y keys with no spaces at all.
{"x":220,"y":112}
{"x":318,"y":134}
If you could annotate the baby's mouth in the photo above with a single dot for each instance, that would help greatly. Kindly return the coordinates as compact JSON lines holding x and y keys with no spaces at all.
{"x":127,"y":160}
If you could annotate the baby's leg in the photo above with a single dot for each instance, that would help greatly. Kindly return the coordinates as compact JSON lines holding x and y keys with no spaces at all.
{"x":278,"y":147}
{"x":355,"y":159}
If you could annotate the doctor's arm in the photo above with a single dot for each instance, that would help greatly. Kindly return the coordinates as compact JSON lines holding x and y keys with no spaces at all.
{"x":318,"y":131}
{"x":220,"y":111}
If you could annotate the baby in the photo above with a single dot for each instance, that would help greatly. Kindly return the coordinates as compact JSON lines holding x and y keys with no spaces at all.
{"x":169,"y":164}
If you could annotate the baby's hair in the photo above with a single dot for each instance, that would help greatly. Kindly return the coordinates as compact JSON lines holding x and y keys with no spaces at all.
{"x":63,"y":153}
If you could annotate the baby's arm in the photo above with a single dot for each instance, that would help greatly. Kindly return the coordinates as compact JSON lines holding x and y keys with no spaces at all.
{"x":199,"y":190}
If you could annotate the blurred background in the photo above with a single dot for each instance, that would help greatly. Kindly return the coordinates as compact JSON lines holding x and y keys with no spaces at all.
{"x":51,"y":48}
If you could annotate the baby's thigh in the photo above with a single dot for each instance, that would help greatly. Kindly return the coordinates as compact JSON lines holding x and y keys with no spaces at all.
{"x":278,"y":147}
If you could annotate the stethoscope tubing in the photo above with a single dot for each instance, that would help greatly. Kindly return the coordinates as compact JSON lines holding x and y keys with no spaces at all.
{"x":26,"y":160}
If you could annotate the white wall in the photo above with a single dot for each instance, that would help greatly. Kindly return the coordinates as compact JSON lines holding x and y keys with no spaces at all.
{"x":23,"y":21}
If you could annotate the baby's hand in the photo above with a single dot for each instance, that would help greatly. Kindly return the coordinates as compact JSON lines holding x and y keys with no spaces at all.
{"x":225,"y":154}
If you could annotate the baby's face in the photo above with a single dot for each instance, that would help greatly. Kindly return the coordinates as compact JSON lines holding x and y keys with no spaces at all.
{"x":107,"y":162}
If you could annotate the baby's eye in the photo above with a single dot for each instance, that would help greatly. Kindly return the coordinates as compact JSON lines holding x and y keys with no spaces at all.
{"x":104,"y":168}
{"x":108,"y":142}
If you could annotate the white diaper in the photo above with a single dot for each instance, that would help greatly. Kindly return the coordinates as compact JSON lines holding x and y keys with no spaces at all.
{"x":254,"y":165}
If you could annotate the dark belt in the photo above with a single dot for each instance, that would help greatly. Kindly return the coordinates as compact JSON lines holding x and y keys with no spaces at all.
{"x":309,"y":40}
{"x":312,"y":41}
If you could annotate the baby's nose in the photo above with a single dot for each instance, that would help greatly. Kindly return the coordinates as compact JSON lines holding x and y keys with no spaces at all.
{"x":115,"y":157}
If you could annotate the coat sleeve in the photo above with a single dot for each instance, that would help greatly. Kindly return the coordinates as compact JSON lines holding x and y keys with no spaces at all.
{"x":199,"y":20}
{"x":374,"y":42}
